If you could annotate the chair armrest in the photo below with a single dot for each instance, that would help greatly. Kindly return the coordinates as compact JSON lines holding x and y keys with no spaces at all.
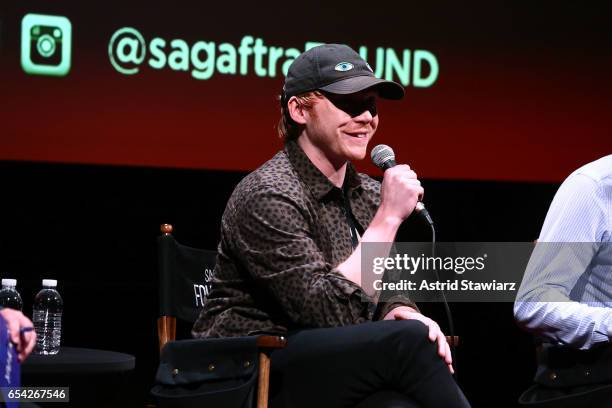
{"x":273,"y":342}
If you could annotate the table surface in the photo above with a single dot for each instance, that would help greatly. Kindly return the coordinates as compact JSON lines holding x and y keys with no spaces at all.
{"x":76,"y":360}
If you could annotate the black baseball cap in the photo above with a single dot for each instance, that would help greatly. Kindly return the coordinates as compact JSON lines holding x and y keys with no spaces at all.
{"x":338,"y":69}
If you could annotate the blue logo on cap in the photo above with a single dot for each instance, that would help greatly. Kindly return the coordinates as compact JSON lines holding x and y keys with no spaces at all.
{"x":344,"y":66}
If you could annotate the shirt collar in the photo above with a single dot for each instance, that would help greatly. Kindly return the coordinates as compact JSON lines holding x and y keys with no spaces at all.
{"x":316,"y":181}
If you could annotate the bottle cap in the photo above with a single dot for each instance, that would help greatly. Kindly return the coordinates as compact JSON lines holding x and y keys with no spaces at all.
{"x":49,"y":283}
{"x":9,"y":282}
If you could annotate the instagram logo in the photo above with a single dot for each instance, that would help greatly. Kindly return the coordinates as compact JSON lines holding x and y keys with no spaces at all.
{"x":45,"y":44}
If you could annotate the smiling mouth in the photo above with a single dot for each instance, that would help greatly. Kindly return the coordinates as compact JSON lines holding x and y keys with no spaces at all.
{"x":358,"y":135}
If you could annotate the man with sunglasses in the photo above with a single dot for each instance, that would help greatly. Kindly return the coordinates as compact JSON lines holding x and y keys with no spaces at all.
{"x":290,"y":253}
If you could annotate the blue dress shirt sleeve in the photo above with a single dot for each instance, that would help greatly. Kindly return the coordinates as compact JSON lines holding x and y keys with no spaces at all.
{"x":576,"y":227}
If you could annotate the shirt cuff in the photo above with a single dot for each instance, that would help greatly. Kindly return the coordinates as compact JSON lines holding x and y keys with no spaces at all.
{"x":383,"y":308}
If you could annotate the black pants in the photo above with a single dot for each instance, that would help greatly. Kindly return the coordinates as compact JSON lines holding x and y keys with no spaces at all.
{"x":379,"y":364}
{"x":568,"y":377}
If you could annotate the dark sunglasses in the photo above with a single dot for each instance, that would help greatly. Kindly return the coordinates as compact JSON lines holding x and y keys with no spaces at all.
{"x":353,"y":104}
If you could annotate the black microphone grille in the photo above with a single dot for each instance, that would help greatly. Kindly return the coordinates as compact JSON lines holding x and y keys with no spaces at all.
{"x":381,"y":154}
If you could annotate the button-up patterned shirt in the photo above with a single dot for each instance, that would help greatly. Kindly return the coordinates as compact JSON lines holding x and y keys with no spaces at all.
{"x":283,"y":233}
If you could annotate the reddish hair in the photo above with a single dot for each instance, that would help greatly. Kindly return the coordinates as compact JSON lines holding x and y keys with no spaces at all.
{"x":287,"y":128}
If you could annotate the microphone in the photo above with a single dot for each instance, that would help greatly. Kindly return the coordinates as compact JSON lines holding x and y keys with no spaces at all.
{"x":383,"y":157}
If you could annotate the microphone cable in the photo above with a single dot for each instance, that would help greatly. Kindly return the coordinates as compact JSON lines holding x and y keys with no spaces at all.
{"x":449,"y":315}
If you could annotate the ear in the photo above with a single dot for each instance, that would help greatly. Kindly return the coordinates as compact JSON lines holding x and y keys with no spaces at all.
{"x":297,"y":111}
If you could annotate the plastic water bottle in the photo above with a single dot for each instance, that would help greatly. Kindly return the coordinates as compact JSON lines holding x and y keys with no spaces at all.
{"x":47,"y":317}
{"x":9,"y":297}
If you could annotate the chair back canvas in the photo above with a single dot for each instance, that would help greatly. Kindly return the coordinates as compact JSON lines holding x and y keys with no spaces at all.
{"x":185,"y":278}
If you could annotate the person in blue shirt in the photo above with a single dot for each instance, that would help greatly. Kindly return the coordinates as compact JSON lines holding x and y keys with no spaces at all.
{"x":566,"y":295}
{"x":20,"y":332}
